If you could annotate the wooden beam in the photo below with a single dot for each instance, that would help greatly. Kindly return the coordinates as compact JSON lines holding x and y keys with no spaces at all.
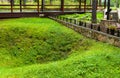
{"x":11,"y":4}
{"x":62,"y":6}
{"x":20,"y":5}
{"x":42,"y":5}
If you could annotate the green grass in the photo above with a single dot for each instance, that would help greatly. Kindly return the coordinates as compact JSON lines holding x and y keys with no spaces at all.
{"x":42,"y":48}
{"x":35,"y":40}
{"x":86,"y":17}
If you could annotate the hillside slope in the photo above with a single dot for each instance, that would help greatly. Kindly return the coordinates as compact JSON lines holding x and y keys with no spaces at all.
{"x":42,"y":48}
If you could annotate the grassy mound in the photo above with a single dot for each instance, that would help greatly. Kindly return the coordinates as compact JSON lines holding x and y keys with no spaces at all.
{"x":34,"y":41}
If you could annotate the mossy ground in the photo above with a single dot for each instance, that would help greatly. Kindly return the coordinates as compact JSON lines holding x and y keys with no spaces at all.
{"x":43,"y":48}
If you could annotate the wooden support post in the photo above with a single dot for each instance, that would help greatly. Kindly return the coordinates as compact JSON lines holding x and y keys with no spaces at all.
{"x":43,"y":5}
{"x":11,"y":4}
{"x":84,"y":5}
{"x":80,"y":5}
{"x":94,"y":11}
{"x":38,"y":6}
{"x":20,"y":5}
{"x":118,"y":33}
{"x":62,"y":6}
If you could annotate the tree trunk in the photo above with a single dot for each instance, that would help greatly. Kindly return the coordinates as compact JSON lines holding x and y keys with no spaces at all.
{"x":108,"y":10}
{"x":94,"y":11}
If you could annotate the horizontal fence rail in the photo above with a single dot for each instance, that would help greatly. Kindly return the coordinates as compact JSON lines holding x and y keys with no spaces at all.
{"x":91,"y":30}
{"x":38,"y":7}
{"x":21,"y":8}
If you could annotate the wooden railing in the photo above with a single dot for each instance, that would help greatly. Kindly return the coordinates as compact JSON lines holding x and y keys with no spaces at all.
{"x":38,"y":8}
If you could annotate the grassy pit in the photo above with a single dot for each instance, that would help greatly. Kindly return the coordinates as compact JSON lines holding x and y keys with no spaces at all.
{"x":42,"y":48}
{"x":35,"y":40}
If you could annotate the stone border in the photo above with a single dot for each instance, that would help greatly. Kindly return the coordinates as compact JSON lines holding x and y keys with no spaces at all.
{"x":91,"y":33}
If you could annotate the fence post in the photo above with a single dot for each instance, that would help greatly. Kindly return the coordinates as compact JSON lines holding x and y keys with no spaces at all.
{"x":60,"y":18}
{"x":66,"y":19}
{"x":112,"y":31}
{"x":91,"y":26}
{"x":63,"y":18}
{"x":74,"y":21}
{"x":98,"y":28}
{"x":85,"y":24}
{"x":118,"y":33}
{"x":79,"y":23}
{"x":70,"y":20}
{"x":107,"y":31}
